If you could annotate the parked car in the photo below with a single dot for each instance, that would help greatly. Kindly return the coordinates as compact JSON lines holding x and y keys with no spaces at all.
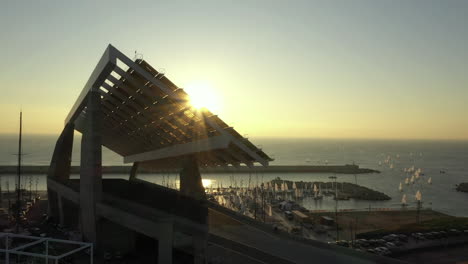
{"x":343,"y":243}
{"x":420,"y":236}
{"x":390,"y":245}
{"x":382,"y":251}
{"x":434,"y":235}
{"x":403,"y":238}
{"x":288,"y":215}
{"x":373,"y":242}
{"x":362,"y":243}
{"x":454,"y":232}
{"x":388,"y":238}
{"x":429,"y":235}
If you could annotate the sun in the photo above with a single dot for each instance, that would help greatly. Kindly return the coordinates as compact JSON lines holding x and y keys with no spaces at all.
{"x":207,"y":183}
{"x":202,"y":95}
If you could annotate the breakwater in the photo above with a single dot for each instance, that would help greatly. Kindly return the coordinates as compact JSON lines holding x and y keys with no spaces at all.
{"x":343,"y":169}
{"x":344,"y":190}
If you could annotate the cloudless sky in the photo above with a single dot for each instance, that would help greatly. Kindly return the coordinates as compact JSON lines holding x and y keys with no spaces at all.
{"x":342,"y":69}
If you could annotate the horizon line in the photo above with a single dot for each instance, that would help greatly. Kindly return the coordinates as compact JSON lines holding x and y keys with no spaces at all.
{"x":284,"y":137}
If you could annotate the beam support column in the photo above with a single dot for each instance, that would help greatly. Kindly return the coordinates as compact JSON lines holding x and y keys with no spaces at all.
{"x":60,"y":164}
{"x":191,"y":185}
{"x":133,"y":171}
{"x":190,"y":179}
{"x":91,"y":167}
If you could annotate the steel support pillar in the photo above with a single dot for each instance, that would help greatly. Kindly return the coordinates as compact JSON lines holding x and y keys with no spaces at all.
{"x":190,"y":179}
{"x":191,"y":185}
{"x":133,"y":171}
{"x":91,"y":167}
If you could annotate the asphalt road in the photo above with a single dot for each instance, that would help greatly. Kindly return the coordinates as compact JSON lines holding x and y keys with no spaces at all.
{"x":289,"y":250}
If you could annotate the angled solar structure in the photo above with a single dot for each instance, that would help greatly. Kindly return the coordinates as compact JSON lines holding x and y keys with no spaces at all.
{"x":137,"y":112}
{"x":149,"y":120}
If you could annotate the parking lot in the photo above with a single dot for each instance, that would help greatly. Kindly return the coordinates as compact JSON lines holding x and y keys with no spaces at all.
{"x":397,"y":245}
{"x":442,"y":255}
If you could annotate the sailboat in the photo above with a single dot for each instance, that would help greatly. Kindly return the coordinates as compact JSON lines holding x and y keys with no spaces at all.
{"x":429,"y":181}
{"x":418,"y":196}
{"x":400,"y":188}
{"x":412,"y":179}
{"x":298,"y":193}
{"x":403,"y":200}
{"x":407,"y":181}
{"x":317,"y":195}
{"x":416,"y":174}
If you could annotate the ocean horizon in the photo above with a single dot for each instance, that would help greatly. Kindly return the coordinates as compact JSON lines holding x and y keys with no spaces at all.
{"x":390,"y":157}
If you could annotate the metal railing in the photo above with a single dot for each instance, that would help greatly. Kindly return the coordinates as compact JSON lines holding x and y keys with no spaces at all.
{"x":7,"y":239}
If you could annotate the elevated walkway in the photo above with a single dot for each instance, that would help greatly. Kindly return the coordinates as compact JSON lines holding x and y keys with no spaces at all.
{"x":143,"y":206}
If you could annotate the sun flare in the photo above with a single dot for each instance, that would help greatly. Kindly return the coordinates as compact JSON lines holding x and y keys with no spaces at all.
{"x":202,"y":95}
{"x":207,"y":183}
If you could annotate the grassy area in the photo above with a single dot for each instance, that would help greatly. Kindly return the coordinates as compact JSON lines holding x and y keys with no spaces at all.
{"x":443,"y":223}
{"x":437,"y":223}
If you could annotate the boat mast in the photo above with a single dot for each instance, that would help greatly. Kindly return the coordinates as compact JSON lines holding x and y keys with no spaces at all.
{"x":18,"y":198}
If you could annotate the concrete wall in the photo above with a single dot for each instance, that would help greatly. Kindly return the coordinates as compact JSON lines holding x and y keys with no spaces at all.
{"x":53,"y":210}
{"x":71,"y":216}
{"x":115,"y":237}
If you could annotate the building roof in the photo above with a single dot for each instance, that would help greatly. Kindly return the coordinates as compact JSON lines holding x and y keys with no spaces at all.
{"x":148,"y":119}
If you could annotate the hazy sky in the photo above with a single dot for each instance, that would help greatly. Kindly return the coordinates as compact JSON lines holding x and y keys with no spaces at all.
{"x":366,"y":69}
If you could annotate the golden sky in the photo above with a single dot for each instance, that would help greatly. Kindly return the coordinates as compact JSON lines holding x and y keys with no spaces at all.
{"x":323,"y":69}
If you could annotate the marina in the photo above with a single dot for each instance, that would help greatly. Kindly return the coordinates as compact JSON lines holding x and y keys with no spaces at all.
{"x":227,"y":132}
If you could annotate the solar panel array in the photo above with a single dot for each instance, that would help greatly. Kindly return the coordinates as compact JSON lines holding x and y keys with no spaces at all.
{"x":142,"y":114}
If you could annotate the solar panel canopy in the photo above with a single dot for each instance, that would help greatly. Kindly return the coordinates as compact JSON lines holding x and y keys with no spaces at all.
{"x":148,"y":119}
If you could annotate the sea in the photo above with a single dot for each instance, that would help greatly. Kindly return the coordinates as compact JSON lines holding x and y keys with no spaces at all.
{"x":445,"y":162}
